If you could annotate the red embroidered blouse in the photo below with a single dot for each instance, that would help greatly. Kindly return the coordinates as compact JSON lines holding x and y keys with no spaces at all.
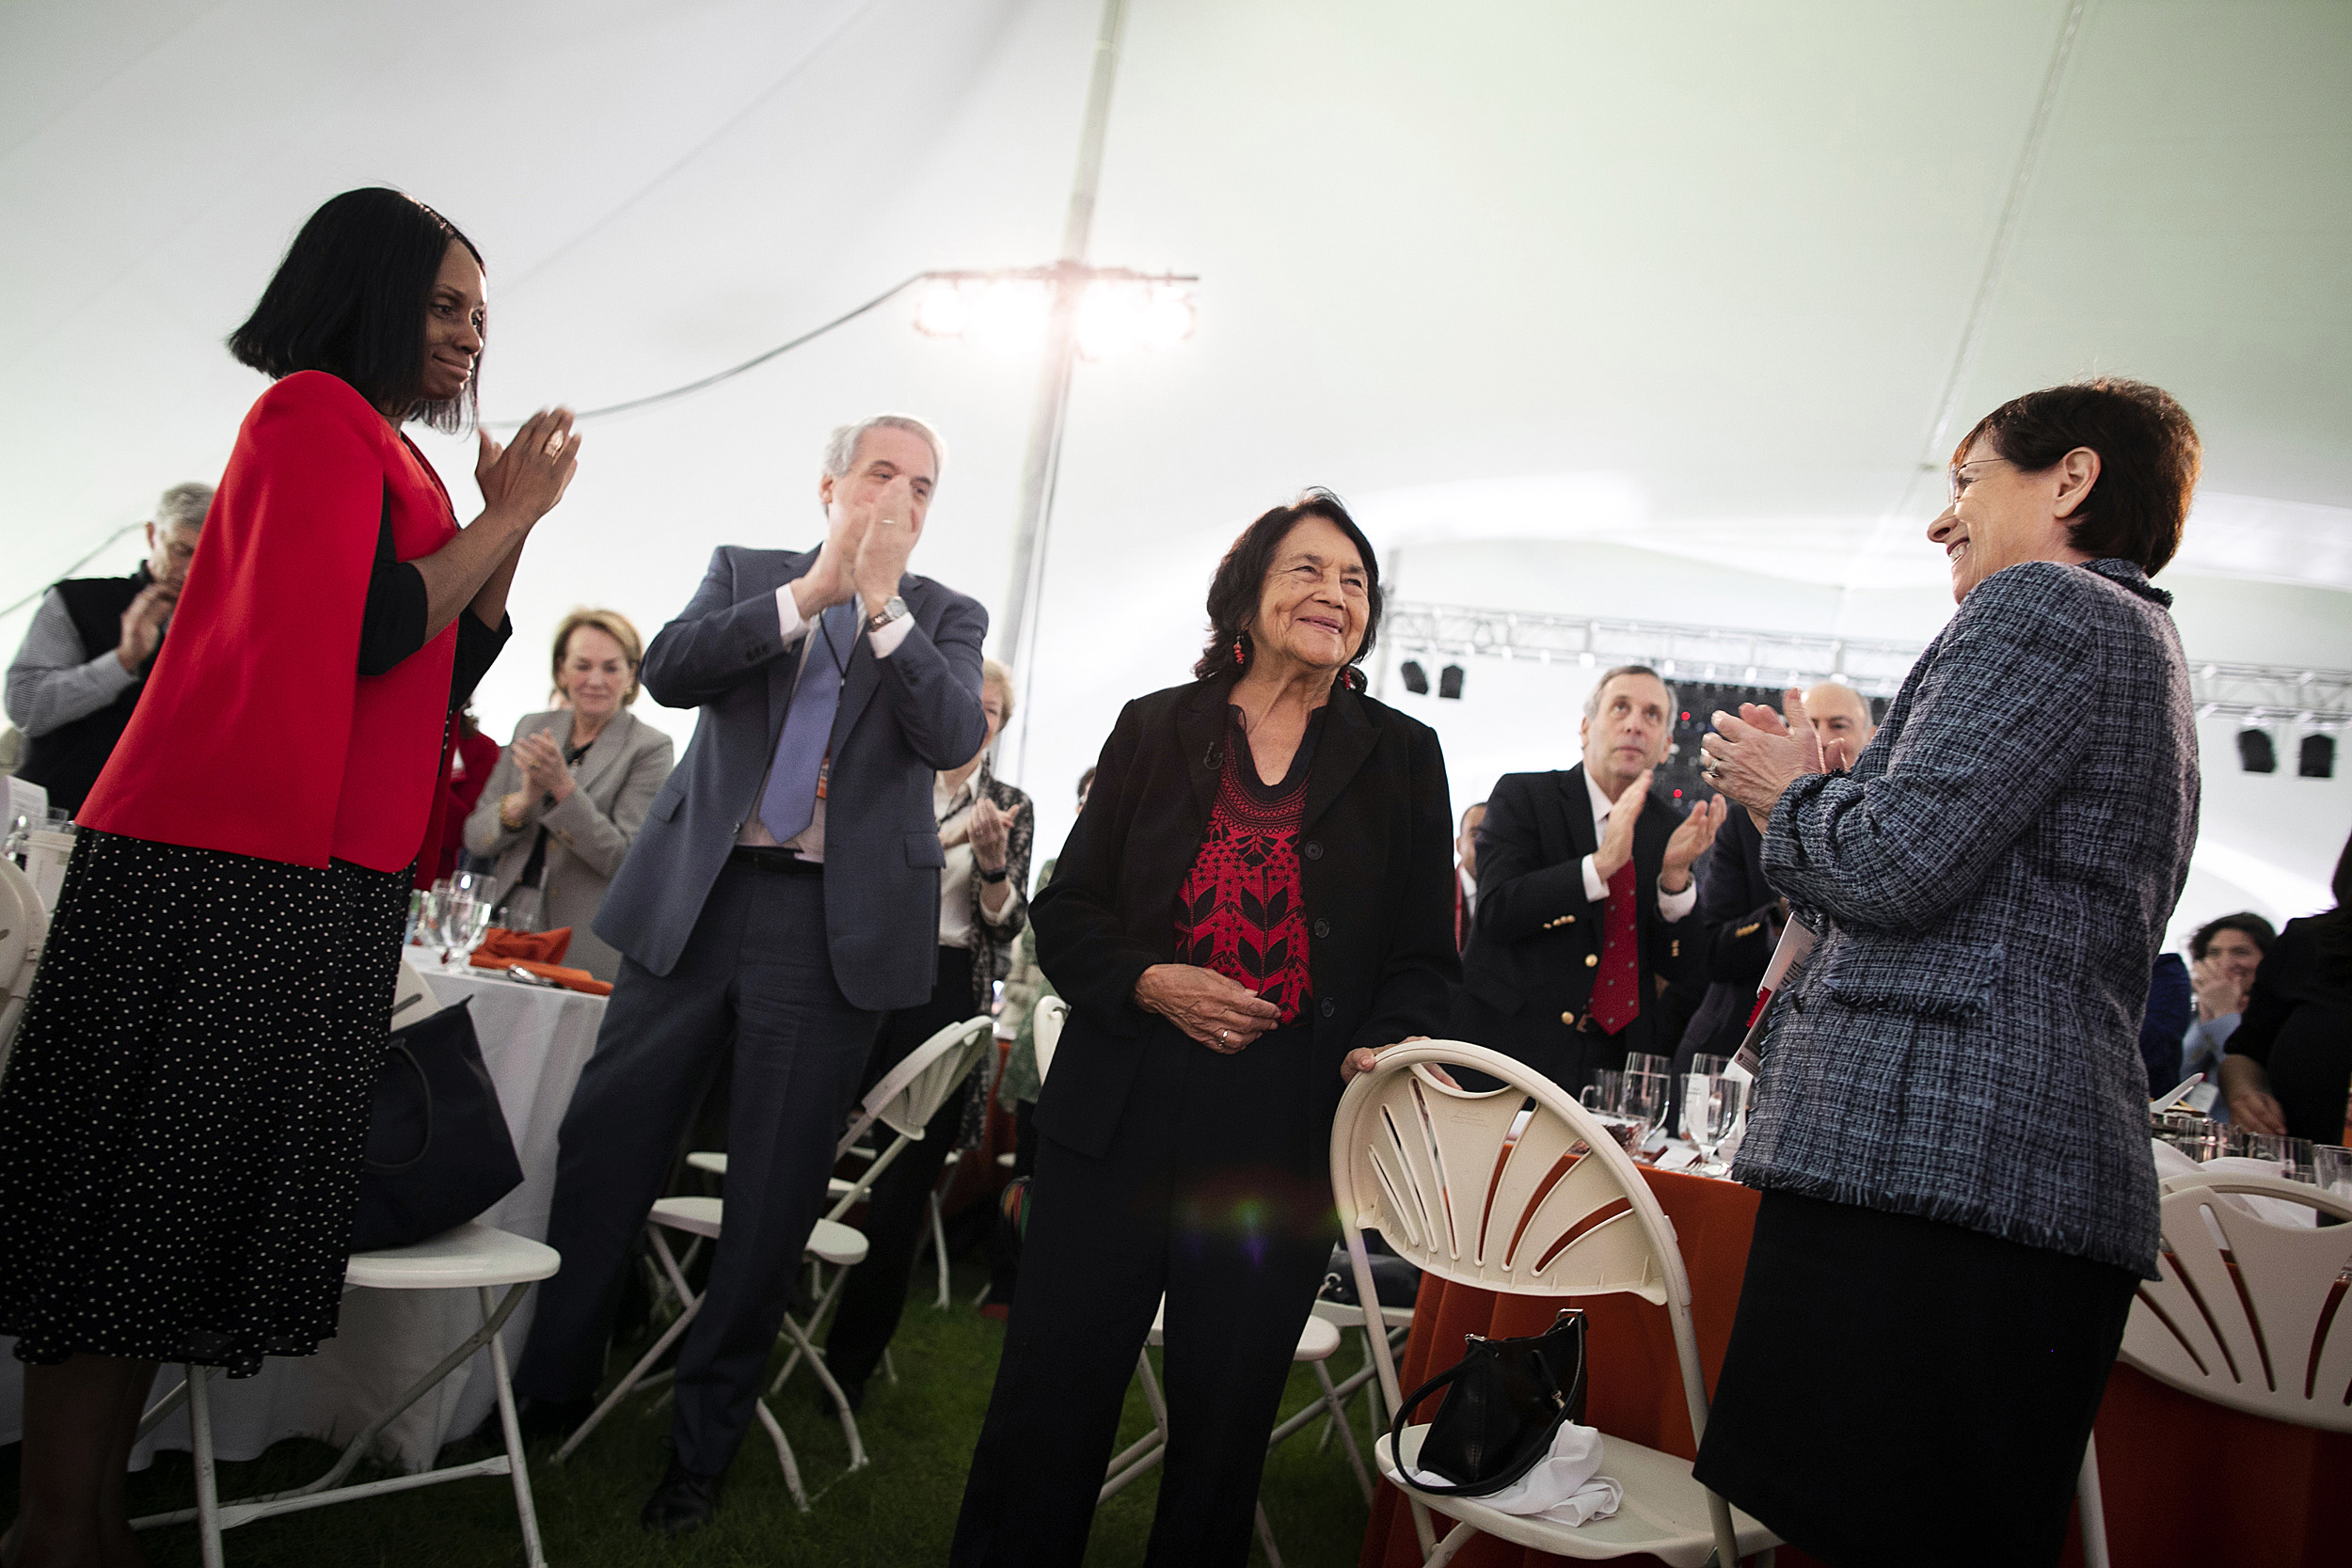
{"x":1242,"y":908}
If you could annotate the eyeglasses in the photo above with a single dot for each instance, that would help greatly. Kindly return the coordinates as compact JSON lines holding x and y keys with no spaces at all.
{"x":1960,"y":482}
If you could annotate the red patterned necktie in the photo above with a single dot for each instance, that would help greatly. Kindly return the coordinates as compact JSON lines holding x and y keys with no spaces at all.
{"x":1617,"y":989}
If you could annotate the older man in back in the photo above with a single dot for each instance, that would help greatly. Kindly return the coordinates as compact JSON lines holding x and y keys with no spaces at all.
{"x":1582,"y":919}
{"x":781,"y":897}
{"x":1739,"y":912}
{"x":84,"y":662}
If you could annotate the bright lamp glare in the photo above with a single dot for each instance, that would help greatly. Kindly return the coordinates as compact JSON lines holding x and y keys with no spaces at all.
{"x":1010,"y":314}
{"x":943,"y":311}
{"x":1168,"y":319}
{"x":1118,"y":316}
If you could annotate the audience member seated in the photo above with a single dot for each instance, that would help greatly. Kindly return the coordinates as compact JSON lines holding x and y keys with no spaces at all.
{"x":2224,"y":957}
{"x":1586,"y":896}
{"x":569,"y":796}
{"x":2289,"y":1067}
{"x":85,"y":658}
{"x":985,"y":830}
{"x":1025,"y":987}
{"x":1466,"y":873}
{"x":1739,"y":912}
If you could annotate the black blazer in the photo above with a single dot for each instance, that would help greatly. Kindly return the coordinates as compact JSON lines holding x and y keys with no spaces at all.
{"x":1534,"y":948}
{"x":1375,"y":855}
{"x":1735,"y":905}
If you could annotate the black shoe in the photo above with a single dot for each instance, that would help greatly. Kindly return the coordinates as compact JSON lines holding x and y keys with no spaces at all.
{"x":684,"y":1501}
{"x":545,"y":1421}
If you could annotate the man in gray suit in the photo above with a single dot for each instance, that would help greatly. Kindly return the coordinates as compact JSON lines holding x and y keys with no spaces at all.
{"x":782,"y":895}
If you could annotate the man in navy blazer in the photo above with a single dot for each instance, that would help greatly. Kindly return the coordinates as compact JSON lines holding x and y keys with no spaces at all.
{"x":1555,"y":852}
{"x":782,"y":895}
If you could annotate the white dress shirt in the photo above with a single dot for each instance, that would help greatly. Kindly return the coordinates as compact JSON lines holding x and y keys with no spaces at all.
{"x":809,"y":843}
{"x":952,"y":807}
{"x":1671,"y":906}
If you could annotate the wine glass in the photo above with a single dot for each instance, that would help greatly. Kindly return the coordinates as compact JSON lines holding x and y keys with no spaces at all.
{"x":1640,"y":1101}
{"x":470,"y":925}
{"x":1710,"y":1109}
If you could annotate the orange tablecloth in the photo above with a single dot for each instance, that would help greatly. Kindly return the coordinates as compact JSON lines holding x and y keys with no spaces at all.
{"x":2186,"y":1482}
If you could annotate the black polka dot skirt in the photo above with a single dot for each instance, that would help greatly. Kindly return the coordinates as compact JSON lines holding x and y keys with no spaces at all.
{"x":181,"y":1118}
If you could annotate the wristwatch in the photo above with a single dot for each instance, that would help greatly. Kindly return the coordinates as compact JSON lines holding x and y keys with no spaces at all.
{"x":996,"y":875}
{"x":893,"y":609}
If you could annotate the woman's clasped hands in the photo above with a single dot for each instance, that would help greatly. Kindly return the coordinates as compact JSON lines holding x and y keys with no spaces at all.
{"x":1219,"y":1012}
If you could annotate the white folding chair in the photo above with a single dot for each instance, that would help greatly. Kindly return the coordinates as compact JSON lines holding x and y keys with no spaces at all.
{"x":23,"y":931}
{"x":704,"y":1219}
{"x":1317,"y":1340}
{"x":1398,"y":1323}
{"x":472,"y":1257}
{"x":2246,"y":1315}
{"x":1522,"y":1198}
{"x":1052,"y":1013}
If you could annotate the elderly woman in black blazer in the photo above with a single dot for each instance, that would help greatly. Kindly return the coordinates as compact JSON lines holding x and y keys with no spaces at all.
{"x":1255,"y":900}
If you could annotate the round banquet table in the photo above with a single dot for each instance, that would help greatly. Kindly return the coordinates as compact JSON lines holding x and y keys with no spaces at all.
{"x":535,"y":1041}
{"x":2184,"y":1483}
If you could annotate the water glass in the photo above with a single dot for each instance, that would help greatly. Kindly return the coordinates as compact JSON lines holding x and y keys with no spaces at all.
{"x":1710,"y":1109}
{"x":2294,"y":1155}
{"x":1643,"y":1062}
{"x":2196,"y":1136}
{"x":1600,"y":1095}
{"x":524,"y":910}
{"x":2331,"y":1169}
{"x":1708,"y":1067}
{"x":1641,"y":1102}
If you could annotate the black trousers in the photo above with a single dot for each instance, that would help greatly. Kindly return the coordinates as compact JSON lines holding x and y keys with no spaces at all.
{"x":898,"y":1209}
{"x":755,"y":978}
{"x":1216,"y":1191}
{"x":1901,"y":1392}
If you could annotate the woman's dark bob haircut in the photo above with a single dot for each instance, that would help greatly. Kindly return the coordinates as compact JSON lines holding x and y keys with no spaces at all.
{"x":1240,"y":579}
{"x":350,"y":299}
{"x":2149,"y":459}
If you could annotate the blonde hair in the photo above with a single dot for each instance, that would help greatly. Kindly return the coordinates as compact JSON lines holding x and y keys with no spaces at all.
{"x":614,"y":625}
{"x":992,"y":670}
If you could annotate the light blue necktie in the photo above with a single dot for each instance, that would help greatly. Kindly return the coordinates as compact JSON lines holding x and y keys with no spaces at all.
{"x":789,"y":804}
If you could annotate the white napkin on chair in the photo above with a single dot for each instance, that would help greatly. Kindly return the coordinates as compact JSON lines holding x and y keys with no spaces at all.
{"x":1565,"y":1487}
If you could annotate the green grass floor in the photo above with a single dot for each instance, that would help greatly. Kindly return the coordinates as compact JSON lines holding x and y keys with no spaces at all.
{"x":901,"y":1509}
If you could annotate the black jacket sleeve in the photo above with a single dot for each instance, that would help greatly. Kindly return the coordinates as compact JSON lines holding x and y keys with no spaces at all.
{"x":392,"y":625}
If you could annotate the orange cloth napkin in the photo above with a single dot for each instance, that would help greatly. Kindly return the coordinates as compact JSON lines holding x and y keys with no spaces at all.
{"x":545,"y":947}
{"x":579,"y":979}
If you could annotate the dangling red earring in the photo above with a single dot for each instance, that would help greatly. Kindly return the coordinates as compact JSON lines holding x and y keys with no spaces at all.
{"x":1238,"y":659}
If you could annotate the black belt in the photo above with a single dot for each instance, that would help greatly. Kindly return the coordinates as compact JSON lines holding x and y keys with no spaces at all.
{"x":777,"y":858}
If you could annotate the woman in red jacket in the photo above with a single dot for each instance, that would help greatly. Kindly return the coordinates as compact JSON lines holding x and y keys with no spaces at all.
{"x":180,"y":1124}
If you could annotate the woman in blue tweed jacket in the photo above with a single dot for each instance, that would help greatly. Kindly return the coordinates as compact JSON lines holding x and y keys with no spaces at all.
{"x":1950,"y":1128}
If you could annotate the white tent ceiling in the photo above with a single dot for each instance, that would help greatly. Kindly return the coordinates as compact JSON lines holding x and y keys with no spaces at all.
{"x":1691,"y":280}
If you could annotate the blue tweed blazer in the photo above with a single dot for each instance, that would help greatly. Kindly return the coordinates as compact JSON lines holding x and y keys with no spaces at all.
{"x":1991,"y":885}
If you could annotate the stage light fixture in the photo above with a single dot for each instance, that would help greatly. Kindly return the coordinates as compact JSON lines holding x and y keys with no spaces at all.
{"x":2255,"y":753}
{"x":2318,"y":758}
{"x":1416,"y":678}
{"x":1013,"y":312}
{"x":1450,"y":682}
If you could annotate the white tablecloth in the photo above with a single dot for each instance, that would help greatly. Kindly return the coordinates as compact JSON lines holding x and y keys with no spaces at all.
{"x":534,"y":1042}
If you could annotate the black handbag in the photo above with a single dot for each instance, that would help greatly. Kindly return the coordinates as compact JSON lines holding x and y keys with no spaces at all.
{"x":437,"y":1151}
{"x":1396,"y":1282}
{"x":1504,"y":1400}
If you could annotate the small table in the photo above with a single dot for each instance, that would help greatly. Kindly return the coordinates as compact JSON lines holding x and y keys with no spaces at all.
{"x":535,"y":1041}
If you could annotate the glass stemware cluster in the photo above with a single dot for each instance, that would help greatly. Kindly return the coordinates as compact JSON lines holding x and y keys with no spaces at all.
{"x":454,"y":915}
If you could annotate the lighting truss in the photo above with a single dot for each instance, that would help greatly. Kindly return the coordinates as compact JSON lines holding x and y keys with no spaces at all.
{"x":2273,"y":693}
{"x":1751,"y":657}
{"x":2276,"y":693}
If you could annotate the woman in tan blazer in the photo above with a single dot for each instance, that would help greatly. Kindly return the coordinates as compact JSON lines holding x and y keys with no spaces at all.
{"x":570,"y":793}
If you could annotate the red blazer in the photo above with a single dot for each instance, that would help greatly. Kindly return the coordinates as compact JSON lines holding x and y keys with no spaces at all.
{"x":256,"y":734}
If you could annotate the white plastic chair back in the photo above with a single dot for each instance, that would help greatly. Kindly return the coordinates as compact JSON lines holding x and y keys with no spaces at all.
{"x":1485,"y":1189}
{"x":912,"y":1093}
{"x":23,"y":931}
{"x":2249,"y":1314}
{"x":1052,"y":1013}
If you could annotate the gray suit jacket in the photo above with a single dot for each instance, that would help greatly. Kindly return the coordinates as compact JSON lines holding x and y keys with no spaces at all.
{"x":901,"y":719}
{"x":589,"y":832}
{"x":1991,"y":885}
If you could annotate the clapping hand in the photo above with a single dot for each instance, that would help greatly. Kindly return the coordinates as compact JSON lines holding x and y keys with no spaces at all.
{"x":542,"y":765}
{"x":2219,"y":992}
{"x":882,"y":550}
{"x":143,"y":625}
{"x":1215,"y":1010}
{"x":989,"y":836}
{"x":530,"y":474}
{"x":1753,"y":758}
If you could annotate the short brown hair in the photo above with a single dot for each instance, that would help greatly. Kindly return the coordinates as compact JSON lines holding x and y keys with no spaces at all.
{"x":614,"y":625}
{"x":2149,"y":460}
{"x":1240,"y":579}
